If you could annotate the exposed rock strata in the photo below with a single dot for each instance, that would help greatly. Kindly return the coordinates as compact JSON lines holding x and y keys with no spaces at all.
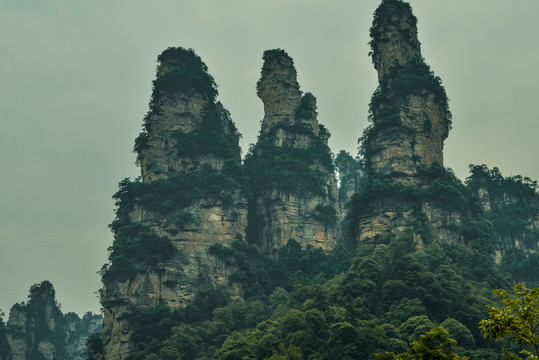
{"x":512,"y":206}
{"x":409,"y":109}
{"x":410,"y":121}
{"x":295,"y":188}
{"x":188,"y":139}
{"x":38,"y":329}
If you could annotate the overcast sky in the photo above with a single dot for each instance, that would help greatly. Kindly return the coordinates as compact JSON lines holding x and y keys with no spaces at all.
{"x":75,"y":81}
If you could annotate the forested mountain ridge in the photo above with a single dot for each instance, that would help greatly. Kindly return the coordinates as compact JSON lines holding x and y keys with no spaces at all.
{"x":37,"y":329}
{"x":267,"y":259}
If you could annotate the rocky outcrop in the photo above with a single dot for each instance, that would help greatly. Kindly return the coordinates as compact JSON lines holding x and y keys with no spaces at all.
{"x":394,"y":37}
{"x":37,"y":329}
{"x":403,"y":147}
{"x":409,"y":110}
{"x":512,"y":206}
{"x":295,"y":192}
{"x":188,"y":199}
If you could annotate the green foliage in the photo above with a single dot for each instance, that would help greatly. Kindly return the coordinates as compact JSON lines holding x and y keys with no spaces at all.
{"x":522,"y":265}
{"x":203,"y":326}
{"x":40,"y":311}
{"x":94,"y":346}
{"x":325,"y":214}
{"x":164,"y":332}
{"x":514,"y":206}
{"x":434,"y":345}
{"x":350,"y":172}
{"x":287,"y":168}
{"x":520,"y":188}
{"x":306,"y":299}
{"x":137,"y":247}
{"x":519,"y":320}
{"x":172,"y":194}
{"x":141,"y":143}
{"x":189,"y":74}
{"x":347,"y":165}
{"x":441,"y":187}
{"x":182,"y":71}
{"x":307,"y":107}
{"x":211,"y":137}
{"x":413,"y":78}
{"x":260,"y":276}
{"x":367,"y":308}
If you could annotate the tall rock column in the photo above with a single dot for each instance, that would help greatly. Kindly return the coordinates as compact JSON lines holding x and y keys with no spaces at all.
{"x":409,"y":110}
{"x":291,"y":168}
{"x":37,"y":329}
{"x":187,"y":200}
{"x":403,"y":147}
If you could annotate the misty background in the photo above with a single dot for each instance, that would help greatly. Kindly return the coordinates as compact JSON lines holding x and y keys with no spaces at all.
{"x":76,"y":81}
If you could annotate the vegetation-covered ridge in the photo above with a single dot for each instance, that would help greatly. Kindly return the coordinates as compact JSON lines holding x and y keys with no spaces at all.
{"x":414,"y":78}
{"x":181,"y":71}
{"x":290,"y":169}
{"x":513,"y":211}
{"x":500,"y":188}
{"x":40,"y":300}
{"x":350,"y":171}
{"x":37,"y":329}
{"x":314,"y":305}
{"x":217,"y":136}
{"x":439,"y":187}
{"x":137,"y":247}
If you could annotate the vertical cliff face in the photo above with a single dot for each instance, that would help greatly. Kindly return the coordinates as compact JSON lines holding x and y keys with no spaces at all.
{"x":189,"y":198}
{"x":295,"y":194}
{"x":512,"y":206}
{"x":37,"y":329}
{"x":185,"y":127}
{"x":394,"y":37}
{"x":403,"y":147}
{"x":409,"y":110}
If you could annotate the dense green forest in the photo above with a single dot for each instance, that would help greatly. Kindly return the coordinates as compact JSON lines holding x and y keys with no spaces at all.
{"x":343,"y":304}
{"x":349,"y":303}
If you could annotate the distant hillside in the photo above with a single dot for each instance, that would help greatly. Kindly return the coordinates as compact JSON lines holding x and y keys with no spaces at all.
{"x":37,"y":329}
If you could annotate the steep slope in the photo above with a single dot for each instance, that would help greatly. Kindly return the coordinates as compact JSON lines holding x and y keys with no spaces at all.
{"x":291,"y":167}
{"x":406,"y":184}
{"x":189,"y":198}
{"x":37,"y":329}
{"x":512,"y":206}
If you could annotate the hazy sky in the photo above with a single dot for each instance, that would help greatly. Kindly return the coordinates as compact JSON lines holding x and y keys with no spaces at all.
{"x":75,"y":81}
